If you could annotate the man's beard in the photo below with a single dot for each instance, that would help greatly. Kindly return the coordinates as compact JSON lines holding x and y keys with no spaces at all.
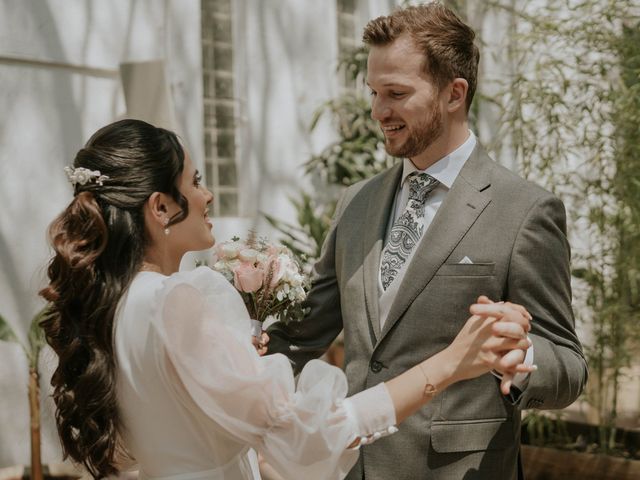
{"x":420,"y":138}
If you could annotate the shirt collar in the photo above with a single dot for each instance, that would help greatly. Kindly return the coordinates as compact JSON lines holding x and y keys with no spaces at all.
{"x":446,"y":169}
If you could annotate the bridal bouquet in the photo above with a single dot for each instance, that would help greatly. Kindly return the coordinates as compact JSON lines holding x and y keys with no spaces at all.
{"x":267,"y":276}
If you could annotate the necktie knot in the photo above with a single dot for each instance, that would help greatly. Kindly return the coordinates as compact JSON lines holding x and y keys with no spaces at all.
{"x":420,"y":186}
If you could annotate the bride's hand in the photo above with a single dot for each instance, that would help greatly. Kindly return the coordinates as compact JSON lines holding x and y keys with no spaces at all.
{"x":261,"y":343}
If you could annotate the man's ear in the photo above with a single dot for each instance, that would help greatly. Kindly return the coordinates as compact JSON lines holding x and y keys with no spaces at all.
{"x":157,"y":208}
{"x":457,"y":95}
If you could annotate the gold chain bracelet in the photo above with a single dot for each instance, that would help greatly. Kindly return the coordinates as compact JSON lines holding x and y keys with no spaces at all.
{"x":430,"y":389}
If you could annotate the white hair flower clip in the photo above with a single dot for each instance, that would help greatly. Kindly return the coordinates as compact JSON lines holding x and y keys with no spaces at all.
{"x":83,"y":176}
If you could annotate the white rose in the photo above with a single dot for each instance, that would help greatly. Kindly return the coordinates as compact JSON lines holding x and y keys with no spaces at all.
{"x":233,"y":264}
{"x":248,"y":255}
{"x":230,"y":250}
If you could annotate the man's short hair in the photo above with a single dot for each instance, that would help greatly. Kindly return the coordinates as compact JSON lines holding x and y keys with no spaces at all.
{"x":445,"y":39}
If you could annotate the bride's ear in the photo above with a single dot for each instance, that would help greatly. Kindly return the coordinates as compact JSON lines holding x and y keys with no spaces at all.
{"x":156,"y":209}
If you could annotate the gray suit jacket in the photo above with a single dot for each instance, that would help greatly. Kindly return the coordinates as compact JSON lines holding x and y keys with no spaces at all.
{"x":515,"y":234}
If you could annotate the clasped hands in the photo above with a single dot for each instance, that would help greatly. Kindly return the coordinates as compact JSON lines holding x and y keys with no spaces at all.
{"x":493,"y":338}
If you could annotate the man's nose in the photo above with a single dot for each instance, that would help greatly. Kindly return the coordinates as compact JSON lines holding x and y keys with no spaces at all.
{"x":379,"y":110}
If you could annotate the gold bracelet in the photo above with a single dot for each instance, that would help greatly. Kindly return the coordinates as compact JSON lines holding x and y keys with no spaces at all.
{"x":430,"y":389}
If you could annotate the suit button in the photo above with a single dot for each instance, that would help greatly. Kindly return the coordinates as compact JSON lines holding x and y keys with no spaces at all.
{"x":376,"y":366}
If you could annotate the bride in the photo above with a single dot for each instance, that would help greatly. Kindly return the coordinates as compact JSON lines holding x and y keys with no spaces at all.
{"x":158,"y":365}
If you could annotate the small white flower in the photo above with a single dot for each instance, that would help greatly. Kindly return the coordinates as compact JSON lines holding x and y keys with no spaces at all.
{"x":220,"y":266}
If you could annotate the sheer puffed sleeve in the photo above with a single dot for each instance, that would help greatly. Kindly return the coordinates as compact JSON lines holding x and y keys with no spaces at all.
{"x":302,"y":430}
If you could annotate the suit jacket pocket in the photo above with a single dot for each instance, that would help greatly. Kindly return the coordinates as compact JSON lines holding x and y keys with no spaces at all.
{"x":467,"y":269}
{"x":471,"y":435}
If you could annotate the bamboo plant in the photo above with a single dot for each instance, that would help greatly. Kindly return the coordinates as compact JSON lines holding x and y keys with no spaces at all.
{"x":572,"y":114}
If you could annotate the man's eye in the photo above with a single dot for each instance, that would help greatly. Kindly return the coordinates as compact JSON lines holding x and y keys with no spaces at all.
{"x":397,"y":94}
{"x":372,"y":93}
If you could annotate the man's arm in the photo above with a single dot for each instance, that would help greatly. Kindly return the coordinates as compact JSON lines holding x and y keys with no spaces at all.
{"x":310,"y":338}
{"x":540,"y":279}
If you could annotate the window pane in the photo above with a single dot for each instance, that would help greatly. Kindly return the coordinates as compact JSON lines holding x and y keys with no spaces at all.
{"x":347,"y":6}
{"x":224,"y":87}
{"x":226,"y":145}
{"x":208,"y":174}
{"x":208,"y":145}
{"x":224,"y":116}
{"x":228,"y":203}
{"x":227,"y":174}
{"x":221,"y":29}
{"x":223,"y":58}
{"x":221,"y":6}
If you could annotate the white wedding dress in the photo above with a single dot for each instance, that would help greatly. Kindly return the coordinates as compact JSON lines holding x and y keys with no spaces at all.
{"x":195,"y":398}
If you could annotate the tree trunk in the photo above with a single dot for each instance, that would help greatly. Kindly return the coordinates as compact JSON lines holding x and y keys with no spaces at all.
{"x":34,"y":410}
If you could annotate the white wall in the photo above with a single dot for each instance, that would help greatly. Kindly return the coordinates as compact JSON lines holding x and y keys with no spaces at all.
{"x":59,"y":63}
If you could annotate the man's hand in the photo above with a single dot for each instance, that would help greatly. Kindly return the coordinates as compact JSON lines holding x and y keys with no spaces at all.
{"x":261,"y":343}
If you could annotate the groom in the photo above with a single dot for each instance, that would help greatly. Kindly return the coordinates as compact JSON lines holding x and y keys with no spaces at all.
{"x":410,"y":249}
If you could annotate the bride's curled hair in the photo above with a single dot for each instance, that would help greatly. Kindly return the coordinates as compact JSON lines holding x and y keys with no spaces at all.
{"x":98,"y":242}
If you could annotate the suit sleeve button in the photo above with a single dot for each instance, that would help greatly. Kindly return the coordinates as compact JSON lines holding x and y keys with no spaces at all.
{"x":376,"y":366}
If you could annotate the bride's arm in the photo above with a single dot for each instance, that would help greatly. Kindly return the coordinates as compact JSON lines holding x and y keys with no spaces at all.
{"x":486,"y":342}
{"x":303,"y":430}
{"x":478,"y":348}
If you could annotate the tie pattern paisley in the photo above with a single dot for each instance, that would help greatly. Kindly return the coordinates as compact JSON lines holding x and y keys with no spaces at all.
{"x":407,"y":229}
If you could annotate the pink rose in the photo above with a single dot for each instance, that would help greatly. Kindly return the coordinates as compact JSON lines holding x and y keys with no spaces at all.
{"x":247,"y":278}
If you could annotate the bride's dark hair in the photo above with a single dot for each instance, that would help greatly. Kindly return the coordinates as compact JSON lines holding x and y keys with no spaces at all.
{"x":98,"y":242}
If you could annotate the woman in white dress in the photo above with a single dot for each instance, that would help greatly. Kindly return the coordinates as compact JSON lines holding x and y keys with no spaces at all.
{"x":158,"y":365}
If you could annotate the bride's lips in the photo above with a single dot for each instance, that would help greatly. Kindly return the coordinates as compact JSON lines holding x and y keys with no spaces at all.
{"x":207,"y":220}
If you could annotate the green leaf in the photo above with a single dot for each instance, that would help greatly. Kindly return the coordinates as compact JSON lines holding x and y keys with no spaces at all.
{"x":36,"y":337}
{"x":6,"y":332}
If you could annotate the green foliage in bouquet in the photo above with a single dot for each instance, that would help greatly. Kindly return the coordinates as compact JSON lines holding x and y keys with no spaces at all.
{"x":36,"y":342}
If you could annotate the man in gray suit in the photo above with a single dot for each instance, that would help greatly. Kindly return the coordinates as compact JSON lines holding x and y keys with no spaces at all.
{"x":411,"y":248}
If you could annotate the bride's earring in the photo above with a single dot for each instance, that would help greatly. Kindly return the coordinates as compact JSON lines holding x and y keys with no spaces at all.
{"x":166,"y":227}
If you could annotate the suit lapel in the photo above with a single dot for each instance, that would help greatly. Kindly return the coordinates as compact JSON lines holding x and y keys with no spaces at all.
{"x":463,"y":204}
{"x":378,"y":211}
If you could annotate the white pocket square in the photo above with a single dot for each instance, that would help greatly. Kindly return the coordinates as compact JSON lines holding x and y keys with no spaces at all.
{"x":466,"y":260}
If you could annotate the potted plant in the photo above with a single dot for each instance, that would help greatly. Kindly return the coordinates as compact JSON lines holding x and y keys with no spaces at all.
{"x":35,"y":343}
{"x":571,"y":113}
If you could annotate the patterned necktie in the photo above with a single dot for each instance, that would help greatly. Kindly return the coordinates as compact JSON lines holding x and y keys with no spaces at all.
{"x":407,"y":229}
